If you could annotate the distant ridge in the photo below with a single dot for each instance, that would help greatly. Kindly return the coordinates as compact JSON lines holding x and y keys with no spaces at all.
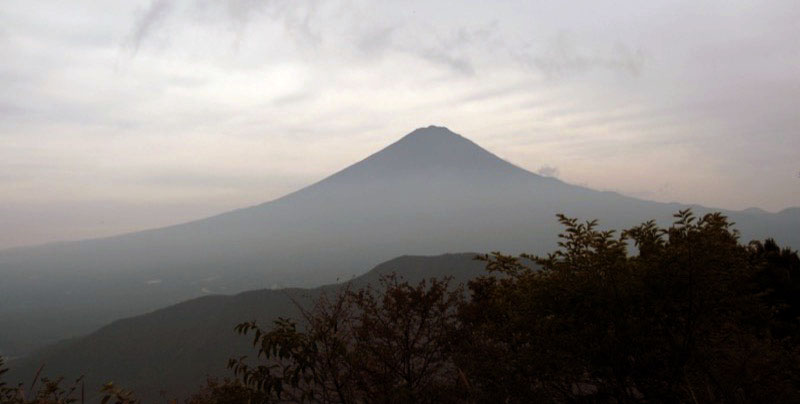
{"x":795,"y":211}
{"x":433,"y":191}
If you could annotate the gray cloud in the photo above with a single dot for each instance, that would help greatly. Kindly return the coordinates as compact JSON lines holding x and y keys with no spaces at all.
{"x":148,"y":21}
{"x":293,"y":98}
{"x":459,"y":64}
{"x":374,"y":41}
{"x":296,"y":16}
{"x":302,"y":22}
{"x":548,"y":171}
{"x":454,"y":49}
{"x":11,"y":110}
{"x":563,"y":57}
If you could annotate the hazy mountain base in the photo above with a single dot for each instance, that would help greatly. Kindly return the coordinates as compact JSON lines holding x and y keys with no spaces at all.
{"x":176,"y":348}
{"x":431,"y":192}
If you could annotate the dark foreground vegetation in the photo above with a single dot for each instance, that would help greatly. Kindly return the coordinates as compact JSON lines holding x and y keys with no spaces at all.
{"x":691,"y":316}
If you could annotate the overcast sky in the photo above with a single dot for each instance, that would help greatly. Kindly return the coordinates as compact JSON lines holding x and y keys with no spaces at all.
{"x":119,"y":116}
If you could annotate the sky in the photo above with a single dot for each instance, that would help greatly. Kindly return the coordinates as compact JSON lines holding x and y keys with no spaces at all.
{"x":122,"y":116}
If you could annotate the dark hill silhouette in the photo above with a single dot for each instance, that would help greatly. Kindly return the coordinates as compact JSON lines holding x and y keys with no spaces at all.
{"x":174,"y":349}
{"x":431,"y":192}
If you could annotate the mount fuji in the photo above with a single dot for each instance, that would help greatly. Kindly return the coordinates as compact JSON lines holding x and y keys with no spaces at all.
{"x":431,"y":192}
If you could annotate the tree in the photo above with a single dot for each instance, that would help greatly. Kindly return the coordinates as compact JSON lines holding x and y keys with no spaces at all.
{"x":49,"y":391}
{"x":777,"y":279}
{"x":371,"y":345}
{"x":680,"y":321}
{"x":227,"y":391}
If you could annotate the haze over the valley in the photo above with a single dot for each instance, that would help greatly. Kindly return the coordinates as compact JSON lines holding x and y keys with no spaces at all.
{"x":141,"y":114}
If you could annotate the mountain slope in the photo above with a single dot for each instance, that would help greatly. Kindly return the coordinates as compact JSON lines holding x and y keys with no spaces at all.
{"x":433,"y":191}
{"x":175,"y":348}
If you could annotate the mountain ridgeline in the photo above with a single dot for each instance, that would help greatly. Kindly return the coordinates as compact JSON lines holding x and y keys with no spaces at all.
{"x":431,"y":192}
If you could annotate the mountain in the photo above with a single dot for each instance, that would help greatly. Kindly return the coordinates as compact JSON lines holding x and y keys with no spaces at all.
{"x":433,"y":191}
{"x":176,"y":348}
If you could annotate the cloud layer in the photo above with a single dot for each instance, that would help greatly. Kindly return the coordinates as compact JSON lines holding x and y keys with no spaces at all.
{"x":144,"y":107}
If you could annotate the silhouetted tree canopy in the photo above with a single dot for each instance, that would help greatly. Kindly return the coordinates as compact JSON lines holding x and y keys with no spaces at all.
{"x":686,"y":319}
{"x":368,"y":345}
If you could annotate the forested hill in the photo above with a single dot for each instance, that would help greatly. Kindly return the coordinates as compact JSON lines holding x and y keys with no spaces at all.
{"x":174,"y":349}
